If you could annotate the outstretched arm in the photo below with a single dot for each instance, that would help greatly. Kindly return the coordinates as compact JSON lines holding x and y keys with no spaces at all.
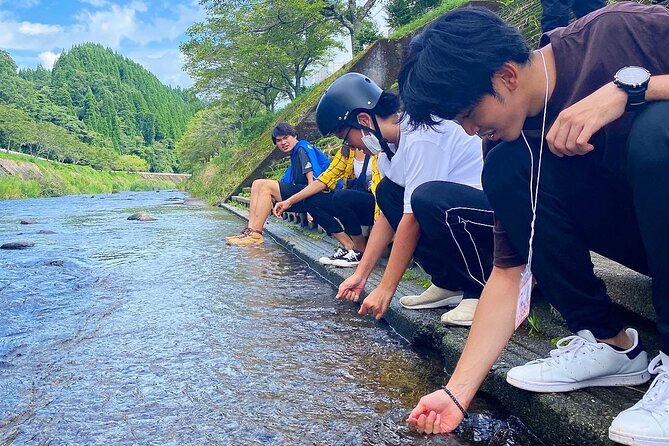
{"x":491,"y":330}
{"x":377,"y":302}
{"x":382,"y":233}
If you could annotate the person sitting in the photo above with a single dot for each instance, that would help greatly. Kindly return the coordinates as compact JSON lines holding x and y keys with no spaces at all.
{"x":306,"y":163}
{"x":432,"y":184}
{"x":596,"y":93}
{"x":353,"y":206}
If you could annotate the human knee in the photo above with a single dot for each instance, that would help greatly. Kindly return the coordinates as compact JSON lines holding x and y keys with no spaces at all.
{"x":649,"y":137}
{"x":423,"y":198}
{"x":261,"y":184}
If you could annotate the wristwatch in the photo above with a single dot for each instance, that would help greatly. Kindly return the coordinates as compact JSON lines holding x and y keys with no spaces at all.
{"x":634,"y":81}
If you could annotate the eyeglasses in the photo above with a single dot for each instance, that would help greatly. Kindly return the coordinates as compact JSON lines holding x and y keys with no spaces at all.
{"x":345,"y":140}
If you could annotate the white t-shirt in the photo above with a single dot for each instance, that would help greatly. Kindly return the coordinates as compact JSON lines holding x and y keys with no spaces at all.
{"x":445,"y":153}
{"x":357,"y":170}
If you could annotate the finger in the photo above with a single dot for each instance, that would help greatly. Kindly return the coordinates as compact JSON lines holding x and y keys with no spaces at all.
{"x":557,"y":135}
{"x":570,"y":144}
{"x":437,"y":425}
{"x":415,"y":413}
{"x":583,"y":139}
{"x":420,"y":423}
{"x":429,"y":422}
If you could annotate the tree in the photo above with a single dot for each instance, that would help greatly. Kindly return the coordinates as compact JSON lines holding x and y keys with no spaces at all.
{"x":367,"y":35}
{"x":208,"y":132}
{"x":401,"y":12}
{"x":350,"y":16}
{"x":260,"y":49}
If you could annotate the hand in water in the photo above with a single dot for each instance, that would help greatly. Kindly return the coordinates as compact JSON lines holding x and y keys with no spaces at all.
{"x":435,"y":413}
{"x":351,"y":288}
{"x":376,"y":303}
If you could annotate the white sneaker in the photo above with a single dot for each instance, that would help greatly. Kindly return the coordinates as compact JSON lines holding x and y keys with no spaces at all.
{"x":580,"y":361}
{"x":647,"y":422}
{"x":433,"y":297}
{"x":338,"y":254}
{"x":462,"y":315}
{"x":351,"y":258}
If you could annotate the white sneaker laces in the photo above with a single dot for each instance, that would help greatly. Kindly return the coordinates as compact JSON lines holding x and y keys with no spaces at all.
{"x":568,"y":347}
{"x":658,"y":392}
{"x":338,"y":253}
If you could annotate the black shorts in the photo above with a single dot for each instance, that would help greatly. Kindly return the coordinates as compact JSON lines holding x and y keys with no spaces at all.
{"x":288,"y":190}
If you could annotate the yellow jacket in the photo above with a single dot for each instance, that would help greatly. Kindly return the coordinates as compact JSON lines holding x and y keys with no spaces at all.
{"x":341,"y":168}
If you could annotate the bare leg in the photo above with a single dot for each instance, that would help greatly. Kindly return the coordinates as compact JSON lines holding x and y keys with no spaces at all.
{"x":262,"y":193}
{"x":359,"y":242}
{"x":344,"y":240}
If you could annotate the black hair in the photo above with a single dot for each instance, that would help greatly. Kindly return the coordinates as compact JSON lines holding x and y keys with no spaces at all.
{"x":449,"y":66}
{"x":283,"y":129}
{"x":387,"y":105}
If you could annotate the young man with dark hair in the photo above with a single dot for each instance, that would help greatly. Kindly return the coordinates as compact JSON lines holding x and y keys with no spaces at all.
{"x":306,"y":163}
{"x":596,"y":94}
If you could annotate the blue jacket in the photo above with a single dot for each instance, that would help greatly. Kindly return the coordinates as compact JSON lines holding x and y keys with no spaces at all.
{"x":319,"y":161}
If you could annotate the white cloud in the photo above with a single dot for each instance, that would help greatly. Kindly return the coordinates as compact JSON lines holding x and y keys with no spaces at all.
{"x":22,"y":3}
{"x":48,"y":58}
{"x":36,"y":29}
{"x":96,"y":3}
{"x":116,"y":26}
{"x":166,"y":65}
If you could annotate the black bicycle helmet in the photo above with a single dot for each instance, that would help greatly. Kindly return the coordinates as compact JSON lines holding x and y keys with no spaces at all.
{"x":349,"y":92}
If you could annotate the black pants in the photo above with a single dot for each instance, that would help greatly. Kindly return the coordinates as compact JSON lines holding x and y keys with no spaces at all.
{"x":455,"y":245}
{"x":556,"y":12}
{"x":354,"y":208}
{"x":320,"y":206}
{"x":588,"y":203}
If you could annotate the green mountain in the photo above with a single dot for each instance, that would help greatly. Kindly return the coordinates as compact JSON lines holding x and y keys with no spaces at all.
{"x":95,"y":107}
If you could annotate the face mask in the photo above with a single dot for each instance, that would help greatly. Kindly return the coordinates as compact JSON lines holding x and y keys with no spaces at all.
{"x":371,"y":142}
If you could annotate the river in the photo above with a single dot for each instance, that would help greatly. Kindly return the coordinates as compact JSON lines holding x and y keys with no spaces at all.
{"x":157,"y":333}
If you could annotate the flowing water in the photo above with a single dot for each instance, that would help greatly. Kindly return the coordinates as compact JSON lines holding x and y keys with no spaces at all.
{"x":140,"y":333}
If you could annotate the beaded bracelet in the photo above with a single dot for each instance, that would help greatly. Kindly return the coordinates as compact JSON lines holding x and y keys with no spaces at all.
{"x":455,"y":400}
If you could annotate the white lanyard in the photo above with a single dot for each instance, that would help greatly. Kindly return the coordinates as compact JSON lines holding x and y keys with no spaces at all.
{"x":526,"y":282}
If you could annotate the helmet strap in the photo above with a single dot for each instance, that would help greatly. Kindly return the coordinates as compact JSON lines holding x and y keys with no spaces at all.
{"x":377,"y":132}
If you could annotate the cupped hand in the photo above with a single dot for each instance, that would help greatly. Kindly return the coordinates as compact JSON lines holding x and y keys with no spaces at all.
{"x":435,"y":413}
{"x":351,"y":288}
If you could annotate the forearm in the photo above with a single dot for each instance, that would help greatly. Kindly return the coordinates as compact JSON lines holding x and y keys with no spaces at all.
{"x":491,"y":330}
{"x":406,"y":239}
{"x":312,"y":189}
{"x":658,"y":88}
{"x":382,"y":233}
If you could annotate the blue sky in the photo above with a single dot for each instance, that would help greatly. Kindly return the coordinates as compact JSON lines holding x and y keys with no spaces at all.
{"x":146,"y":31}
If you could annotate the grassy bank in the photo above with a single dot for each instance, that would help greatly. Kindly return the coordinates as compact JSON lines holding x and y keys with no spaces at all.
{"x":57,"y":179}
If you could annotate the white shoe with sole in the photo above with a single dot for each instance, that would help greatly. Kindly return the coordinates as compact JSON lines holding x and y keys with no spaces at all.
{"x":338,"y":254}
{"x":433,"y":297}
{"x":647,"y":422}
{"x":462,"y":315}
{"x":580,"y":361}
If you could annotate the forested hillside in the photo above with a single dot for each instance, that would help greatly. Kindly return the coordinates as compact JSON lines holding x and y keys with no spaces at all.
{"x":95,"y":108}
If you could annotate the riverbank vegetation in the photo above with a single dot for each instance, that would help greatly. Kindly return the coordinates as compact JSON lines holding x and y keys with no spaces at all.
{"x":94,"y":108}
{"x":41,"y":178}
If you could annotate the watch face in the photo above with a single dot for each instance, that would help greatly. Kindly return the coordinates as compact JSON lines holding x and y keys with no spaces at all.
{"x":632,"y":75}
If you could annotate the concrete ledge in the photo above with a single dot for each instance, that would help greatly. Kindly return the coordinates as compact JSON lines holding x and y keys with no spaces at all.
{"x":576,"y":418}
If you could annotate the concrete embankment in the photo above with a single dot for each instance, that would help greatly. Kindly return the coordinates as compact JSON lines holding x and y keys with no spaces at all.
{"x":575,"y":418}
